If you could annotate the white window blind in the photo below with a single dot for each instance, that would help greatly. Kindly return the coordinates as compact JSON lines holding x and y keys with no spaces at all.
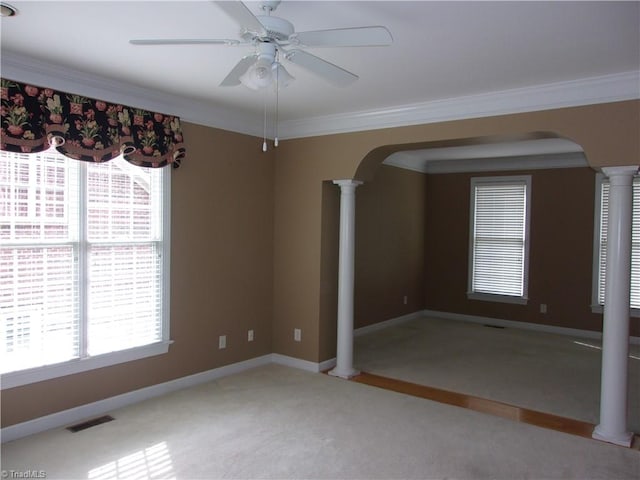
{"x":39,"y":297}
{"x":635,"y":243}
{"x":498,"y":243}
{"x":81,"y":258}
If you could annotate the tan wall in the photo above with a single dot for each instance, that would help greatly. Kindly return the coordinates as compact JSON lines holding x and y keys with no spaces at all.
{"x":330,"y":246}
{"x":298,"y":194}
{"x":222,"y":277}
{"x":390,"y":235}
{"x":607,"y":132}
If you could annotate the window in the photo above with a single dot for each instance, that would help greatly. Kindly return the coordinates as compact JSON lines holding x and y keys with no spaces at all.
{"x":83,"y":264}
{"x":499,"y":238}
{"x":600,"y":244}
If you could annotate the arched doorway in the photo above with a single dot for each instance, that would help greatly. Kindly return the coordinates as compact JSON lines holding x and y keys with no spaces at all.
{"x":460,"y":166}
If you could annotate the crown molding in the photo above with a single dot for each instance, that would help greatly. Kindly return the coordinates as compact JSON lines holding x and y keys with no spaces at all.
{"x":41,"y":73}
{"x":601,"y":89}
{"x":497,"y":164}
{"x":586,"y":91}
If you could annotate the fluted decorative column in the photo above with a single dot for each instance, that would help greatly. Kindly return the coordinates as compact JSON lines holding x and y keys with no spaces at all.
{"x":344,"y":355}
{"x":615,"y":329}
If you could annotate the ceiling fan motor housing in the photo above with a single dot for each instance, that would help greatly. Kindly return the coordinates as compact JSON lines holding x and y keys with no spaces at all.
{"x":277,"y":28}
{"x":266,"y":54}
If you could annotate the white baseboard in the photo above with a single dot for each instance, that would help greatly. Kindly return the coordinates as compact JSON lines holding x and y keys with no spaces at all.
{"x":327,"y":364}
{"x":537,"y":327}
{"x":387,"y":323}
{"x":101,"y":407}
{"x":302,"y":364}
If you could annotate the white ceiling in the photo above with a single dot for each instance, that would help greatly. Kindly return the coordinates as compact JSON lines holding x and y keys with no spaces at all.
{"x":448,"y":59}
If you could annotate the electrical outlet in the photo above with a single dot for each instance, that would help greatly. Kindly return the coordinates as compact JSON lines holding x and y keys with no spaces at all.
{"x":297,"y":334}
{"x":405,"y":300}
{"x":222,"y":342}
{"x":250,"y":336}
{"x":543,"y":308}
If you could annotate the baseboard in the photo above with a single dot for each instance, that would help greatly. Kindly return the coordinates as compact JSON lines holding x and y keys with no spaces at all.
{"x":302,"y":364}
{"x":101,"y":407}
{"x":74,"y":415}
{"x":327,"y":364}
{"x":387,"y":323}
{"x":537,"y":327}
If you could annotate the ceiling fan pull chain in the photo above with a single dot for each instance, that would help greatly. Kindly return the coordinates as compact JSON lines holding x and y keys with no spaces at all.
{"x":275,"y":139}
{"x":264,"y":130}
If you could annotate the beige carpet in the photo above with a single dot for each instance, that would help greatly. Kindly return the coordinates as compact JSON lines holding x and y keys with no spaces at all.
{"x":277,"y":422}
{"x":546,"y":372}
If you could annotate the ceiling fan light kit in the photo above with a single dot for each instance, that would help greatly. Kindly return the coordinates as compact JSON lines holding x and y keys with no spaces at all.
{"x":265,"y":70}
{"x":271,"y":36}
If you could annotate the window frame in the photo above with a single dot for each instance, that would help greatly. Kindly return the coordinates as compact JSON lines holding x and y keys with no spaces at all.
{"x":596,"y":306}
{"x":490,"y":297}
{"x":87,"y":363}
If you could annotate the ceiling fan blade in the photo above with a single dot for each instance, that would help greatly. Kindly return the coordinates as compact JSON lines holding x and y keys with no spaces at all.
{"x":186,"y":41}
{"x":233,"y":78}
{"x":243,"y":16}
{"x":330,"y":72}
{"x":344,"y":37}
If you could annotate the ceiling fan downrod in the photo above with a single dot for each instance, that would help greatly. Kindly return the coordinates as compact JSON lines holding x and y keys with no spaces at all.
{"x":269,"y":5}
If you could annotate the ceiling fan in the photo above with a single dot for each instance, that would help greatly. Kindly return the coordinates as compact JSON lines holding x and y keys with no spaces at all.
{"x":274,"y":37}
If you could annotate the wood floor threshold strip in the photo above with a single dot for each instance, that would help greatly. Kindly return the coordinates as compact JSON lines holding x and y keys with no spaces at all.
{"x":492,"y":407}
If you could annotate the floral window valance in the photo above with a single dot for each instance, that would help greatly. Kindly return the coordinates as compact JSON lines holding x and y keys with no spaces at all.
{"x":35,"y":118}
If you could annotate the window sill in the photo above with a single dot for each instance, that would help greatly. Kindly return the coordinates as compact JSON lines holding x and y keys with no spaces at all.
{"x":488,"y":297}
{"x":39,"y":374}
{"x":633,"y":312}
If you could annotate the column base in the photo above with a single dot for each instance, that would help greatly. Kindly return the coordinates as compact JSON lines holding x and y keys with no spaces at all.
{"x":347,"y":374}
{"x":622,"y":439}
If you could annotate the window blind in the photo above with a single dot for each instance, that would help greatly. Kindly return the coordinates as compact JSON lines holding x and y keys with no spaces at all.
{"x":635,"y":243}
{"x":498,"y":237}
{"x":124,"y":256}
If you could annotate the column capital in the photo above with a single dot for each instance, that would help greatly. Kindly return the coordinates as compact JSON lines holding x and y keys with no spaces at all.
{"x":347,"y":183}
{"x":621,"y":171}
